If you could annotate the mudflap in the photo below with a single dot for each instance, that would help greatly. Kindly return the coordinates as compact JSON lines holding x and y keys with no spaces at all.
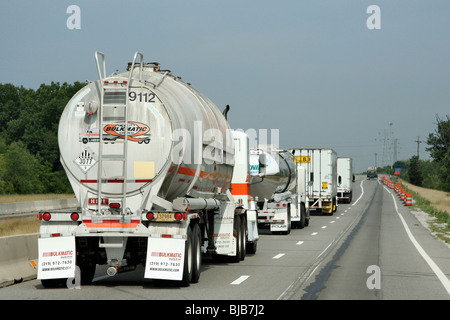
{"x":57,"y":258}
{"x":165,"y":259}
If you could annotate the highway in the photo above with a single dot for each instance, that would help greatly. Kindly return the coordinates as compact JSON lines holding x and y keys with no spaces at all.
{"x":371,"y":249}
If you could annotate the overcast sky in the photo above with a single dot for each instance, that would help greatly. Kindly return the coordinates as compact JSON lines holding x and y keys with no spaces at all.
{"x":310,"y":68}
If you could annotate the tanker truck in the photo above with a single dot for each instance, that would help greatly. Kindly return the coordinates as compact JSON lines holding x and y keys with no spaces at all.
{"x":279,"y":188}
{"x":321,"y":172}
{"x":151,"y":162}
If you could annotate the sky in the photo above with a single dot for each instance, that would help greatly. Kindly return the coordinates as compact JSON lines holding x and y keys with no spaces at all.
{"x":311,"y":70}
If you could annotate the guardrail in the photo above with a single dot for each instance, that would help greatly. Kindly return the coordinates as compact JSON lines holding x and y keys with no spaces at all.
{"x":18,"y":207}
{"x":18,"y":258}
{"x":18,"y":254}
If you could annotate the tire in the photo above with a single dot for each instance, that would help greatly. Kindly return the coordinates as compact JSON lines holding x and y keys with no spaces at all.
{"x":87,"y":273}
{"x":237,"y":235}
{"x":288,"y":231}
{"x":54,"y":283}
{"x":301,"y":224}
{"x":252,"y":247}
{"x":197,"y":254}
{"x":244,"y":236}
{"x":188,"y":261}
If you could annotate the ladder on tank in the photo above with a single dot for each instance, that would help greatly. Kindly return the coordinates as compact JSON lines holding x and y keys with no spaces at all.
{"x":113,"y":110}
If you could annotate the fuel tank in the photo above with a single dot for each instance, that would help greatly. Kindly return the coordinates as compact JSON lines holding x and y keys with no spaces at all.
{"x":177,"y":141}
{"x":272,"y":171}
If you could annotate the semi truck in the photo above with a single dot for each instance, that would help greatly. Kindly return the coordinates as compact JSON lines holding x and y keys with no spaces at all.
{"x":279,"y":187}
{"x":154,"y":186}
{"x":372,"y":173}
{"x":345,"y":179}
{"x":321,"y":173}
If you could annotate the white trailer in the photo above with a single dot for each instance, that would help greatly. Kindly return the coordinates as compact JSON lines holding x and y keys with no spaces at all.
{"x":344,"y":179}
{"x":321,"y":172}
{"x":278,"y":186}
{"x":151,"y":161}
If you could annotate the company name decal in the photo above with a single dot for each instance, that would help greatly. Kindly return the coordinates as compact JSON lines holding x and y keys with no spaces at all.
{"x":136,"y":131}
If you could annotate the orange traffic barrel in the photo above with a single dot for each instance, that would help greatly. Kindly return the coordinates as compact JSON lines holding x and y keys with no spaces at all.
{"x":408,"y":201}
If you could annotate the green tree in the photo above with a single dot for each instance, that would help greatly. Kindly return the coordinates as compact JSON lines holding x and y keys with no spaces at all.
{"x":415,"y":176}
{"x":20,"y":171}
{"x":439,"y":141}
{"x":445,"y":172}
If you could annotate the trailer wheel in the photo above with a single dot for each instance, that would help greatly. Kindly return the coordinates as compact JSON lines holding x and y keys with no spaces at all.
{"x":87,"y":272}
{"x":53,"y":283}
{"x":288,"y":231}
{"x":301,"y":224}
{"x":237,"y":234}
{"x":188,"y":260}
{"x":244,"y":236}
{"x":197,"y":254}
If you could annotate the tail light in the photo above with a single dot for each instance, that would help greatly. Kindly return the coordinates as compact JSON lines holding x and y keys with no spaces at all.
{"x":151,"y":216}
{"x":46,"y":216}
{"x":74,"y":216}
{"x":114,"y":205}
{"x":178,"y":216}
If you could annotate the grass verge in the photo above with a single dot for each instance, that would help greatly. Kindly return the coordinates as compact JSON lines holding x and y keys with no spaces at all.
{"x":440,"y":225}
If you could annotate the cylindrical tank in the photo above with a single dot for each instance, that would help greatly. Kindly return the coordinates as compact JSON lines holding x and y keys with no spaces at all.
{"x":276,"y":172}
{"x":177,"y":142}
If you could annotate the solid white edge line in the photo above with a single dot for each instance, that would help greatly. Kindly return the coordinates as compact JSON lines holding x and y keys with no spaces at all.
{"x":441,"y":276}
{"x":240,"y":280}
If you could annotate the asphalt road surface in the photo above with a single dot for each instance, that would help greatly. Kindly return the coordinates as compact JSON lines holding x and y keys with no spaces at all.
{"x":373,"y":248}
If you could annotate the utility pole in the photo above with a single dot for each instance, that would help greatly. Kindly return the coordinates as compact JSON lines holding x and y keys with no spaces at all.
{"x":418,"y":143}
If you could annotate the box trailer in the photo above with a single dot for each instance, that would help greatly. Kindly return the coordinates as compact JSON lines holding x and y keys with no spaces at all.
{"x":321,"y":173}
{"x":345,"y":179}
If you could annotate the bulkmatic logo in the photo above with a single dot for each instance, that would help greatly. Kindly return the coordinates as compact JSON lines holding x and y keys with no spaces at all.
{"x":137,"y":131}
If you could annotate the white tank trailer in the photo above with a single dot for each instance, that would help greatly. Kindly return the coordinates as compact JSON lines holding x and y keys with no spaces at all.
{"x":321,"y":172}
{"x":151,"y":161}
{"x":279,"y":188}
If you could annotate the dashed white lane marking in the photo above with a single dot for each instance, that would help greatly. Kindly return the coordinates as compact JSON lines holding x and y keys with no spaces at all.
{"x":300,"y":242}
{"x":240,"y":280}
{"x":314,"y":233}
{"x":278,"y":256}
{"x":323,"y":227}
{"x":332,"y":221}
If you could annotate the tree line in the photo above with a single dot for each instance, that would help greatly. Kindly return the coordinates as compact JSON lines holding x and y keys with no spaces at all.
{"x":29,"y":153}
{"x":434,"y":173}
